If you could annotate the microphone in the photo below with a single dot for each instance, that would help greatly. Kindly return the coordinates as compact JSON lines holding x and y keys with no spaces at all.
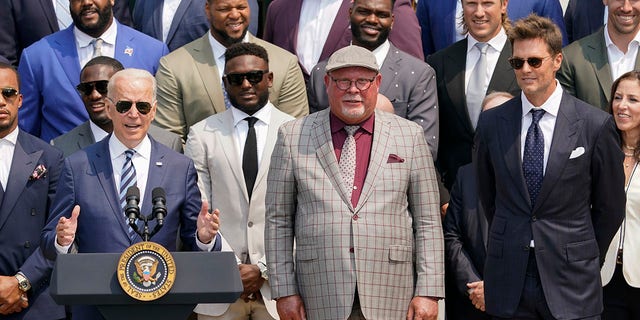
{"x":131,"y":209}
{"x":159,"y":200}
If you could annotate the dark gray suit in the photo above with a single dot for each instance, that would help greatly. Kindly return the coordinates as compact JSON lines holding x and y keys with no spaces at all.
{"x":81,"y":137}
{"x":585,"y":72}
{"x":578,"y":210}
{"x":408,"y":82}
{"x":456,"y":130}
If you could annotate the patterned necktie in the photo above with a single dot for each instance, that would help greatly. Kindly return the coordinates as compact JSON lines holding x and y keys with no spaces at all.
{"x":477,"y":88}
{"x":97,"y":47}
{"x":250,"y":156}
{"x":62,"y":13}
{"x":127,"y":179}
{"x":348,"y":157}
{"x":533,"y":159}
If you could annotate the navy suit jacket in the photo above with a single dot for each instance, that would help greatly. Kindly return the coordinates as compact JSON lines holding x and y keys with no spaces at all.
{"x":24,"y":22}
{"x":583,"y":17}
{"x":189,"y":22}
{"x":50,"y":71}
{"x":23,"y":213}
{"x":579,"y":208}
{"x":465,"y":240}
{"x":283,"y":19}
{"x":437,"y":19}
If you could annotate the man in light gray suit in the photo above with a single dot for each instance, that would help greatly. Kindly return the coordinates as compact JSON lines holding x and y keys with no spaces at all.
{"x":356,"y":189}
{"x":592,"y":63}
{"x":409,"y":83}
{"x":94,"y":78}
{"x":221,"y":149}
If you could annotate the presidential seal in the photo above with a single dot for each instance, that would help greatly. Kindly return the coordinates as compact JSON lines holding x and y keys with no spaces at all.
{"x":146,"y":271}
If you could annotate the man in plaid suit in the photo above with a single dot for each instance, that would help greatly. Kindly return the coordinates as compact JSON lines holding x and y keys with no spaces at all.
{"x":361,"y":204}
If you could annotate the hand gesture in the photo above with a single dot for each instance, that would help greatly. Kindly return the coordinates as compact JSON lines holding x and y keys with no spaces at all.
{"x":208,"y":223}
{"x":66,"y":228}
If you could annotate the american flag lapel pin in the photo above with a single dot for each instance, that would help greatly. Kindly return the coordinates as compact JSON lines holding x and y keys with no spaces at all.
{"x":128,"y":51}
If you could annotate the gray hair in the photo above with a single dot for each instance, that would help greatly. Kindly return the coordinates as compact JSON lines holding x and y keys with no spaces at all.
{"x":132,"y":74}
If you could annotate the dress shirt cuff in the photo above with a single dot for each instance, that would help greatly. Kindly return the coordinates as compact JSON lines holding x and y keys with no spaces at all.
{"x":214,"y":245}
{"x":61,"y":249}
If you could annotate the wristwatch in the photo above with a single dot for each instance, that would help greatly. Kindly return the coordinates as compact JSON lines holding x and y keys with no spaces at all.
{"x":264,"y":272}
{"x":23,"y":283}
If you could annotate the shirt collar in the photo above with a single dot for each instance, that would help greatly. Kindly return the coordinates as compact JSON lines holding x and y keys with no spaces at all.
{"x":12,"y":137}
{"x":381,"y":52}
{"x":496,"y":42}
{"x":219,"y":49}
{"x":608,"y":42}
{"x":337,"y":124}
{"x":97,"y":132}
{"x":109,"y":36}
{"x":263,"y":115}
{"x":551,"y":106}
{"x":116,"y":148}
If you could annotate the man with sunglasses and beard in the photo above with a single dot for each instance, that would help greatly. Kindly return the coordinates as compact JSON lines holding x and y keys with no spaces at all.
{"x":548,"y":185}
{"x":94,"y":78}
{"x":190,"y":86}
{"x":232,"y":153}
{"x":29,"y":170}
{"x":50,"y":68}
{"x":88,"y":211}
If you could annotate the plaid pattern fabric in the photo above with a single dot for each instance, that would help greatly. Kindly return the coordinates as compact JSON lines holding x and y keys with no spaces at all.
{"x":394,"y":230}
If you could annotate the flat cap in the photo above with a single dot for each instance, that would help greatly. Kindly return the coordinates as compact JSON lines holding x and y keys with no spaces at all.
{"x":352,"y":56}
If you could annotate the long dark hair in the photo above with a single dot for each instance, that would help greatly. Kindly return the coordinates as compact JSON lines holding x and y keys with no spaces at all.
{"x":631,"y":75}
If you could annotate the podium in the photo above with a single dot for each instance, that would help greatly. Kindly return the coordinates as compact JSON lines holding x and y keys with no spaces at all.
{"x":90,"y":279}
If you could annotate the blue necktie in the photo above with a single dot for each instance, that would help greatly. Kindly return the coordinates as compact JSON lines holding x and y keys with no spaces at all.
{"x":533,"y":159}
{"x":127,"y":179}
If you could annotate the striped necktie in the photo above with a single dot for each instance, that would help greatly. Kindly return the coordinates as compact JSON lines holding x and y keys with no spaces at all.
{"x":127,"y":179}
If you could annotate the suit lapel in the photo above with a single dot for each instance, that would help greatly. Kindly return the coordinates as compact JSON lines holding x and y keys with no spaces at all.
{"x":272,"y":136}
{"x":377,"y":158}
{"x":126,"y":47}
{"x":509,"y":135}
{"x":389,"y":66}
{"x":156,"y":18}
{"x":180,"y":11}
{"x":67,"y":55}
{"x":564,"y":139}
{"x":229,"y":148}
{"x":498,"y":79}
{"x":25,"y":159}
{"x":326,"y":155}
{"x":597,"y":53}
{"x":206,"y":66}
{"x":454,"y":78}
{"x":157,"y":172}
{"x":85,"y":137}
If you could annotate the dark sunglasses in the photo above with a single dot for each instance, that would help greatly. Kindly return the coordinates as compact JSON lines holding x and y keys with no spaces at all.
{"x":86,"y":88}
{"x":124,"y":106}
{"x":8,"y":93}
{"x":518,"y":63}
{"x":254,"y":77}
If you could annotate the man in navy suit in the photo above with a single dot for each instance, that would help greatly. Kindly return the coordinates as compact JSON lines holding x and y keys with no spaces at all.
{"x":88,"y":212}
{"x":549,"y":186}
{"x":50,"y":68}
{"x":24,"y":22}
{"x":29,"y":170}
{"x":583,"y":17}
{"x":439,"y":22}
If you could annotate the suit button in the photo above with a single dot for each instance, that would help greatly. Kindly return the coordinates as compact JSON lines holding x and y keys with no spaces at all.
{"x":534,"y":218}
{"x":250,"y":224}
{"x":355,"y":217}
{"x":27,"y":244}
{"x":33,"y":211}
{"x":351,"y":250}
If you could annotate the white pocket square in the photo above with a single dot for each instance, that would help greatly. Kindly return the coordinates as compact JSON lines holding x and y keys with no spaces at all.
{"x":576,"y":152}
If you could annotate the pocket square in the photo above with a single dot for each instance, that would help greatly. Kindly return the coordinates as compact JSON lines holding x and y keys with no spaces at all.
{"x":394,"y":158}
{"x":576,"y":152}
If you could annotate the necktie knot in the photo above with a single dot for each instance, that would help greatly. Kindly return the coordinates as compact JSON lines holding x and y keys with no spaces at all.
{"x":483,"y":47}
{"x":351,"y":130}
{"x":251,"y":121}
{"x":97,"y":47}
{"x":129,"y":154}
{"x":536,"y":115}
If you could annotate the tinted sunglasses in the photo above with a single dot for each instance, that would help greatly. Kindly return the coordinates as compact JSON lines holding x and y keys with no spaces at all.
{"x":534,"y":62}
{"x":86,"y":88}
{"x":8,"y":93}
{"x":254,"y":77}
{"x":124,"y":106}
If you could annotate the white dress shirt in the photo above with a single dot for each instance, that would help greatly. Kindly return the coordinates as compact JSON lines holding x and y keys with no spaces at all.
{"x":169,"y":8}
{"x":7,"y":147}
{"x":493,"y":53}
{"x":218,"y":52}
{"x":621,"y":62}
{"x":316,"y":20}
{"x":84,"y":43}
{"x":241,"y":129}
{"x":381,"y":52}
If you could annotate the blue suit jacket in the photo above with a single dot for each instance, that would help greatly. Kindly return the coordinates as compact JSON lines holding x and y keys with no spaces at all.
{"x":24,"y":22}
{"x":437,"y":18}
{"x":23,"y":214}
{"x":50,"y":71}
{"x":583,"y":18}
